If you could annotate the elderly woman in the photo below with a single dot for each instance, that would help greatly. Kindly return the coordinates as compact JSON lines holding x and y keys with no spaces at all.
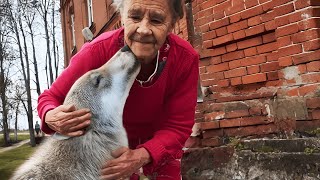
{"x":159,"y":112}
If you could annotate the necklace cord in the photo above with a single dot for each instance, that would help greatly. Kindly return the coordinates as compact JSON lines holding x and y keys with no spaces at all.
{"x":152,"y":75}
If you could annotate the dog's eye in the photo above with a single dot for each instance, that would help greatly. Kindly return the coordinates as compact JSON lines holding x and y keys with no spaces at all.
{"x":96,"y":78}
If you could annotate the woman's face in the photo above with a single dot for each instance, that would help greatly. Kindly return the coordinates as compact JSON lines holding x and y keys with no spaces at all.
{"x":146,"y":26}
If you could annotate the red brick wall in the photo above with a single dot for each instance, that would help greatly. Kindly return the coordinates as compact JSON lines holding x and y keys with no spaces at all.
{"x":259,"y":67}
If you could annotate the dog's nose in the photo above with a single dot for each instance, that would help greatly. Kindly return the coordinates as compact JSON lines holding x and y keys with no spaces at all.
{"x":125,"y":48}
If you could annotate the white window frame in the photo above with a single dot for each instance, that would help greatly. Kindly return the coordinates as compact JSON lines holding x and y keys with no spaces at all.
{"x":73,"y":31}
{"x":90,"y":12}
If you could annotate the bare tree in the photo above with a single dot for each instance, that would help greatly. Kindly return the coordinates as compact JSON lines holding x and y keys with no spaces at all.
{"x":17,"y":27}
{"x":5,"y":63}
{"x":43,"y":9}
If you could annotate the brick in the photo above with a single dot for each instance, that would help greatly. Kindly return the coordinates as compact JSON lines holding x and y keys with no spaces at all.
{"x":207,"y":44}
{"x":308,"y":24}
{"x":219,"y":23}
{"x":239,"y":35}
{"x":254,"y":21}
{"x":207,"y":4}
{"x":285,"y":61}
{"x":268,"y":16}
{"x":229,"y":123}
{"x":237,"y":26}
{"x":221,"y":31}
{"x":253,"y":69}
{"x":267,"y":47}
{"x":236,"y":81}
{"x":311,"y":45}
{"x":282,"y":21}
{"x":213,"y":116}
{"x":212,"y":133}
{"x":251,"y":130}
{"x":306,"y":57}
{"x":215,"y":60}
{"x":235,"y":72}
{"x":255,"y":30}
{"x":218,"y":15}
{"x":235,"y":18}
{"x":316,"y":114}
{"x":307,"y":89}
{"x":251,"y":3}
{"x":222,"y":39}
{"x":235,"y":8}
{"x":311,"y":78}
{"x":209,"y":35}
{"x":251,"y":12}
{"x":271,"y":25}
{"x":249,"y":42}
{"x":256,"y":120}
{"x":285,"y":9}
{"x":232,"y":55}
{"x":204,"y":28}
{"x":273,"y":56}
{"x":313,"y":66}
{"x":231,"y":47}
{"x":270,"y":66}
{"x":299,"y":4}
{"x":218,"y":68}
{"x":207,"y":83}
{"x":253,"y":60}
{"x":223,"y":83}
{"x":212,"y":52}
{"x":287,"y":30}
{"x":209,"y":125}
{"x":268,"y":6}
{"x":271,"y":76}
{"x":254,"y":78}
{"x":235,"y":114}
{"x":270,"y":37}
{"x":284,"y":41}
{"x":306,"y":35}
{"x":212,"y":142}
{"x":235,"y":64}
{"x":207,"y":76}
{"x":254,"y":111}
{"x":250,"y":51}
{"x":290,"y":50}
{"x":206,"y":12}
{"x":222,"y":6}
{"x":201,"y":21}
{"x":302,"y":68}
{"x":313,"y":103}
{"x":202,"y":70}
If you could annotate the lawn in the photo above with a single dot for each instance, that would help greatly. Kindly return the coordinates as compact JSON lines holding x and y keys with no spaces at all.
{"x":10,"y":160}
{"x":21,"y":137}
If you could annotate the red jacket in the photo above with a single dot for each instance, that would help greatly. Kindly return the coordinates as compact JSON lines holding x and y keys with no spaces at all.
{"x":158,"y":117}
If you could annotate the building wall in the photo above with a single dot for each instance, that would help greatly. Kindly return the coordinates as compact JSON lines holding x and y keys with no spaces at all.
{"x":259,"y":66}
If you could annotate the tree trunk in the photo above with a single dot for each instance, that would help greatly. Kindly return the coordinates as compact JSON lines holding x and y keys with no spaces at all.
{"x":27,"y":84}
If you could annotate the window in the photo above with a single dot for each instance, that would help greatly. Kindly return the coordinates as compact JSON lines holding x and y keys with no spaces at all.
{"x":73,"y":31}
{"x":90,"y":13}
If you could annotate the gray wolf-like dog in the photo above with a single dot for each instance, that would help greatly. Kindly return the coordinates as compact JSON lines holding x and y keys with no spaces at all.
{"x":104,"y":91}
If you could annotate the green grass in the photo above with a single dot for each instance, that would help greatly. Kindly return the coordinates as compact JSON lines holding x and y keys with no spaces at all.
{"x":21,"y":137}
{"x":12,"y":159}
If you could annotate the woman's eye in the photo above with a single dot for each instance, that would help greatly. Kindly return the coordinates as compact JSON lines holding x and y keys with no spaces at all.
{"x":135,"y":18}
{"x":156,"y":21}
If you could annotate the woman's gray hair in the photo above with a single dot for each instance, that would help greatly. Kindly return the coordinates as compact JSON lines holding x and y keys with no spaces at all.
{"x":175,"y":5}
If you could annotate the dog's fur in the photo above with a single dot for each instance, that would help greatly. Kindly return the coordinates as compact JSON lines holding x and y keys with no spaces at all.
{"x":104,"y":91}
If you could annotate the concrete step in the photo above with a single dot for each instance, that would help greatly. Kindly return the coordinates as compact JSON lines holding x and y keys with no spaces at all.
{"x":265,"y":159}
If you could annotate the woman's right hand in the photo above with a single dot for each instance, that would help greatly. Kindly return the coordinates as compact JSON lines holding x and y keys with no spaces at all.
{"x":66,"y":120}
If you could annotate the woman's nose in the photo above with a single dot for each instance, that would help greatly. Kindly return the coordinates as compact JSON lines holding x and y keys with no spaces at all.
{"x":144,"y":27}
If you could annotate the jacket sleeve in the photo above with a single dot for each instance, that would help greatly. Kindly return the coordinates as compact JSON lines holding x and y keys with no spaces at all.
{"x":168,"y":142}
{"x":82,"y":62}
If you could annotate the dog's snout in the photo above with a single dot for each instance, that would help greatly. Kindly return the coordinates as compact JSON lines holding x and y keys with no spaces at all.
{"x":125,"y":48}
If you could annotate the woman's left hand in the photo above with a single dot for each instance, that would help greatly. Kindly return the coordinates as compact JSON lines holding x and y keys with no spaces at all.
{"x":126,"y":163}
